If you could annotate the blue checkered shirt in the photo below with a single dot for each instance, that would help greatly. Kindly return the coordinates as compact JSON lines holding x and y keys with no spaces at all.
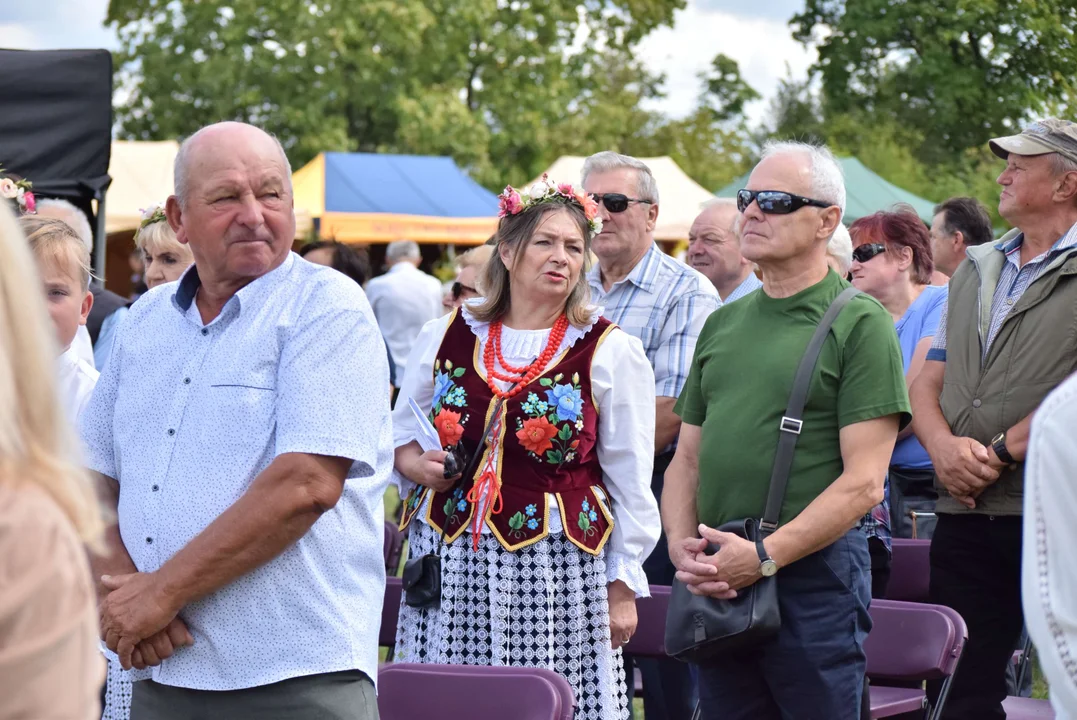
{"x":750,"y":284}
{"x":664,"y":303}
{"x":1012,"y":283}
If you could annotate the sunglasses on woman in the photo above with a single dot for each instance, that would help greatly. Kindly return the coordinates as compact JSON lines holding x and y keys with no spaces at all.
{"x":618,"y":203}
{"x":775,"y":202}
{"x":458,"y":289}
{"x":863,"y":253}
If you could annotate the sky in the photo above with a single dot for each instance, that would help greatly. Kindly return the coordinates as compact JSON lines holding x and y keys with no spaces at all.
{"x":759,"y":41}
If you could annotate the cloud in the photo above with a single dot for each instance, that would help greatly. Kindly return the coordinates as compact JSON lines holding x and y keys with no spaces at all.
{"x":69,"y":24}
{"x":774,"y":9}
{"x":763,"y":46}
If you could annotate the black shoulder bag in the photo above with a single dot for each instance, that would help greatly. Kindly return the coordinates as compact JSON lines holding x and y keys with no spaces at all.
{"x":421,"y":579}
{"x":700,"y":628}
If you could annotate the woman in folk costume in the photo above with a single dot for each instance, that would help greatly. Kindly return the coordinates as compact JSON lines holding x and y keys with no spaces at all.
{"x":542,"y":545}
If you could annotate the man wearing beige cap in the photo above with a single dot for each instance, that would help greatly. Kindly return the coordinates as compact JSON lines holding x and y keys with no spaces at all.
{"x":1006,"y":340}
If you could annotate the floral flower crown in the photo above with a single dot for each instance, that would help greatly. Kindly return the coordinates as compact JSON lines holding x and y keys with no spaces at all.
{"x":514,"y":202}
{"x":152,"y":214}
{"x":20,"y":192}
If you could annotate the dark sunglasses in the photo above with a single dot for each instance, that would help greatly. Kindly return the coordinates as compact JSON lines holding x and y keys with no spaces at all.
{"x":775,"y":202}
{"x":863,"y":253}
{"x":618,"y":203}
{"x":458,"y":289}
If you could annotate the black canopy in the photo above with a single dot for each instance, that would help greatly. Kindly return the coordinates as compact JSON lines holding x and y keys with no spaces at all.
{"x":56,"y":122}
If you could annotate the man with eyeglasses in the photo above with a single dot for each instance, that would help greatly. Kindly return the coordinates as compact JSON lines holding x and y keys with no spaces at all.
{"x":664,"y":303}
{"x":732,"y":409}
{"x":1004,"y":342}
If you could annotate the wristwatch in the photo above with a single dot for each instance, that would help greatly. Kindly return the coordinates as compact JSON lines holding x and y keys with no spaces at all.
{"x":998,"y":444}
{"x":767,"y":566}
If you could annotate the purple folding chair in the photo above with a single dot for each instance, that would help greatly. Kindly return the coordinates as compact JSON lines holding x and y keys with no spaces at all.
{"x":1019,"y":708}
{"x":910,"y":570}
{"x":390,"y":611}
{"x":410,"y":692}
{"x":650,"y":637}
{"x":392,"y":548}
{"x":911,"y":642}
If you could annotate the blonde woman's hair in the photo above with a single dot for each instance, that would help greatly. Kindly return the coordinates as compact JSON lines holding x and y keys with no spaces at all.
{"x":516,"y":232}
{"x":160,"y":235}
{"x":37,"y":445}
{"x":476,"y":256}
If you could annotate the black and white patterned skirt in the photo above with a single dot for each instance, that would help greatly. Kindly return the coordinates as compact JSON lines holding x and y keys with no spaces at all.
{"x":542,"y":606}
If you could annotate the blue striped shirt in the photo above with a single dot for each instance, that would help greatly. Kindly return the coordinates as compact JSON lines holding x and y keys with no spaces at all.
{"x":1012,"y":283}
{"x":664,"y":303}
{"x":750,"y":284}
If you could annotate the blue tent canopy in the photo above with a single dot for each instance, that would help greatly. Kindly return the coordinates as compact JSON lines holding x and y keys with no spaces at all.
{"x":365,"y":197}
{"x":403,"y":184}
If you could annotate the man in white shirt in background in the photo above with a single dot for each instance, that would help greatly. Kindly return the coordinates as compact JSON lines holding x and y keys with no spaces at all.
{"x":1048,"y":568}
{"x":404,"y":299}
{"x":714,"y":250}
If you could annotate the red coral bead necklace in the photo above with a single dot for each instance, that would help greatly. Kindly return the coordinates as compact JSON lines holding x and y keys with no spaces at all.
{"x":521,"y":377}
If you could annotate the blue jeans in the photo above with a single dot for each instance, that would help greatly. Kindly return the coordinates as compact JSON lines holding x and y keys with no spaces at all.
{"x":813,"y":669}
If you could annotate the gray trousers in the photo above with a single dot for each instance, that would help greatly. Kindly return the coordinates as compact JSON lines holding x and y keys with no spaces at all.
{"x":347,"y":695}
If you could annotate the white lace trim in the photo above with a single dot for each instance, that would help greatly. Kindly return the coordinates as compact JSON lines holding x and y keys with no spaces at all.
{"x":522,"y":346}
{"x":542,"y":606}
{"x":117,"y":693}
{"x":624,"y":568}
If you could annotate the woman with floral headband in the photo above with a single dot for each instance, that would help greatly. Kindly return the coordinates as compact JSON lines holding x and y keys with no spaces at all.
{"x":164,"y":257}
{"x":542,"y":539}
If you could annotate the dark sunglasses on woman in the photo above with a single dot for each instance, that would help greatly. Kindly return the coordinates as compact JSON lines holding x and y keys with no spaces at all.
{"x":618,"y":203}
{"x":458,"y":289}
{"x":776,"y":202}
{"x":863,"y":253}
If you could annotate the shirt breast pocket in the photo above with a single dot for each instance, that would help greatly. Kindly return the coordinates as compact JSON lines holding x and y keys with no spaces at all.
{"x":243,"y":406}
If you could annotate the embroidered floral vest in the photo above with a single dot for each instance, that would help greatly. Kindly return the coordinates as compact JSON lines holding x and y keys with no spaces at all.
{"x":546,"y":445}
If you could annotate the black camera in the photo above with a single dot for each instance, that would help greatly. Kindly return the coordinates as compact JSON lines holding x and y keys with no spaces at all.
{"x":455,"y":461}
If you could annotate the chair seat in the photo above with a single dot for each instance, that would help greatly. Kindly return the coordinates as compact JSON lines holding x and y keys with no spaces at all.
{"x":1019,"y":708}
{"x":888,"y":701}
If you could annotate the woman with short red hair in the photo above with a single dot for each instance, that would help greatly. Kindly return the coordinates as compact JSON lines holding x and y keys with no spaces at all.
{"x":892,"y":262}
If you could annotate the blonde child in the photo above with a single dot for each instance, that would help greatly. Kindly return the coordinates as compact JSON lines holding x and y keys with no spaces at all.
{"x":64,"y":265}
{"x":164,"y":256}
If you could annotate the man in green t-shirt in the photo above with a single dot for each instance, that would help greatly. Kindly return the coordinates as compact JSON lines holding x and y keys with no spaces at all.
{"x":731,"y":408}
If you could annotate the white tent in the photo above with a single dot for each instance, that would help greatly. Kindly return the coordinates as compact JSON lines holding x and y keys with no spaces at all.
{"x":680,"y":197}
{"x":141,"y":176}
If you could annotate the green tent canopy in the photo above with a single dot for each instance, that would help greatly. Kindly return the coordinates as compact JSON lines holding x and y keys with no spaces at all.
{"x":865,"y":193}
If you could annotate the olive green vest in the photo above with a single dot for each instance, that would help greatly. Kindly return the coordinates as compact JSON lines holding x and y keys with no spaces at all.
{"x":1034,"y":351}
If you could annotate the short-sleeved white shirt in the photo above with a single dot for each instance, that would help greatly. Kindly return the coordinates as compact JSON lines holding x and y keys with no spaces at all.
{"x":187,"y":415}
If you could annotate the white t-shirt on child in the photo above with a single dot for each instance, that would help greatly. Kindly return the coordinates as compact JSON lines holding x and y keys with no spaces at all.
{"x":76,"y":379}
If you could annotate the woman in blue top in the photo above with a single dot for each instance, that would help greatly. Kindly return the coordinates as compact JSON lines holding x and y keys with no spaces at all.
{"x":892,"y":262}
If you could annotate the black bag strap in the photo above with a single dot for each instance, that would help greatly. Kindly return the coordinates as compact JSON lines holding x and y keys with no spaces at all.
{"x":792,"y":422}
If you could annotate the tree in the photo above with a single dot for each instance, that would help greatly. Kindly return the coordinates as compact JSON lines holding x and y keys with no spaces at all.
{"x":957,"y":71}
{"x":497,"y":85}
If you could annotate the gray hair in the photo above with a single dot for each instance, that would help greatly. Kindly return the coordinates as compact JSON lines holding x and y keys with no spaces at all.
{"x":827,"y":178}
{"x":180,"y":170}
{"x":402,"y":250}
{"x":608,"y":161}
{"x":840,"y":248}
{"x":58,"y":209}
{"x":1060,"y":164}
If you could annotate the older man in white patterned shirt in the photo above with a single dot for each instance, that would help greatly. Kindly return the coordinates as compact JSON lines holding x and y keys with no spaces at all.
{"x":243,"y":437}
{"x":664,"y":303}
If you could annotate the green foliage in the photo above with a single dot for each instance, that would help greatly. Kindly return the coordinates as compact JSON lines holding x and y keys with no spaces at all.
{"x":957,"y":71}
{"x":502,"y":87}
